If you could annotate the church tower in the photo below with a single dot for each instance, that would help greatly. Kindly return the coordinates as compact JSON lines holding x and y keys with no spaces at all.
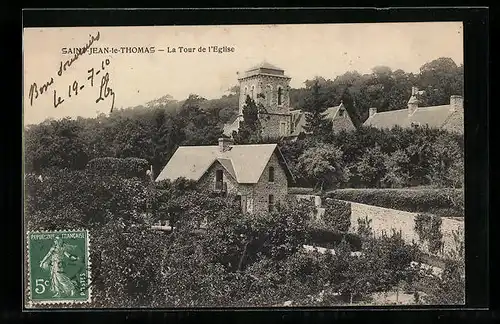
{"x":268,"y":85}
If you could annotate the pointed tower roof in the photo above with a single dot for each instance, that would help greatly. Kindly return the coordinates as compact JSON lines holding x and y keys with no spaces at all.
{"x":264,"y":68}
{"x":265,"y":65}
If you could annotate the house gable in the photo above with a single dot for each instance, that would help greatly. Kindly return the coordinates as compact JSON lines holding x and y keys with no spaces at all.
{"x":207,"y":181}
{"x":278,"y":188}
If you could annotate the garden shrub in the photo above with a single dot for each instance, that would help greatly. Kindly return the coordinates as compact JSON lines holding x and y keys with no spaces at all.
{"x":337,"y":214}
{"x":441,"y":202}
{"x":320,"y":236}
{"x":428,"y":228}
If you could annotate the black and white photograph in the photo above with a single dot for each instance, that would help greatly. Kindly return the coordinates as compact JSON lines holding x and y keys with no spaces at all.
{"x":236,"y":166}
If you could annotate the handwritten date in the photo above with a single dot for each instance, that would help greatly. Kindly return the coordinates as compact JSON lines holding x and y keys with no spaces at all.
{"x":105,"y":90}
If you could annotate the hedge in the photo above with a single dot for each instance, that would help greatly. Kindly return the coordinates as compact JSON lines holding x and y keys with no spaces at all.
{"x":300,"y":191}
{"x":337,"y":214}
{"x":447,"y":202}
{"x":319,"y":236}
{"x":126,"y":167}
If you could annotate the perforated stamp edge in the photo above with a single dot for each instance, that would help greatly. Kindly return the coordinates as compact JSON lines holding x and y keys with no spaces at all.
{"x":32,"y":303}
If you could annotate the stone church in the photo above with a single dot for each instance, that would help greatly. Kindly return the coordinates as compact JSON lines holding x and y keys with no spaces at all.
{"x":268,"y":85}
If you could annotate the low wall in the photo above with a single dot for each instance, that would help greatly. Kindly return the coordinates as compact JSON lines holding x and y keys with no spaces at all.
{"x":385,"y":219}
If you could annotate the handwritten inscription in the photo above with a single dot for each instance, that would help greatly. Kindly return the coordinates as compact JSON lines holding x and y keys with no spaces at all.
{"x":35,"y":90}
{"x":76,"y":87}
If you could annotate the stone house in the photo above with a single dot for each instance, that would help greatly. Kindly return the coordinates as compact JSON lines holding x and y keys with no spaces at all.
{"x":449,"y":117}
{"x":268,"y":85}
{"x":338,"y":116}
{"x":257,"y":175}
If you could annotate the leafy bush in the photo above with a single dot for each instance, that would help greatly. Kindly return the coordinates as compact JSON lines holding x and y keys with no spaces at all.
{"x":442,"y":202}
{"x":126,"y":167}
{"x":365,"y":229}
{"x":337,"y":214}
{"x":428,"y":228}
{"x":318,"y":235}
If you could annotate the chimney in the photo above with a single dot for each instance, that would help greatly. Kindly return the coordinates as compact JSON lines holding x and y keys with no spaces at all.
{"x":413,"y":102}
{"x":224,"y":144}
{"x":372,"y":111}
{"x":456,"y":103}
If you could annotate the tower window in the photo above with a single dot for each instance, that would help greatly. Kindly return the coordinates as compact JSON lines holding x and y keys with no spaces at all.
{"x":252,"y":93}
{"x":271,"y":174}
{"x":269,"y":95}
{"x":280,"y":95}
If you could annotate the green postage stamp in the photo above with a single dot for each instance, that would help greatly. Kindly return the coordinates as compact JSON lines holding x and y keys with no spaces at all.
{"x":59,"y":267}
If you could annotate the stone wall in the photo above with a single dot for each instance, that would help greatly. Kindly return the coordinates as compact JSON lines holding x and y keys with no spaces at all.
{"x":257,"y":195}
{"x":268,"y":86}
{"x":342,"y":123}
{"x":278,"y":188}
{"x":207,"y":181}
{"x":385,"y":219}
{"x":271,"y":125}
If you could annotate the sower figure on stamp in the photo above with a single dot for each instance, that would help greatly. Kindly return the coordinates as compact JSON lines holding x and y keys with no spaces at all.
{"x":61,"y":284}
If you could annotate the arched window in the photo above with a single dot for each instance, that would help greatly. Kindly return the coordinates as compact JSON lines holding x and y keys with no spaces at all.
{"x":252,"y":93}
{"x":246,"y":91}
{"x":280,"y":95}
{"x":271,"y":174}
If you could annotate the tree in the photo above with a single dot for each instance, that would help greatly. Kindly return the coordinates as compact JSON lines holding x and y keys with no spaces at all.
{"x":371,"y":166}
{"x":440,"y":79}
{"x":250,"y":127}
{"x":316,"y":122}
{"x":397,"y":166}
{"x":56,"y":144}
{"x":323,"y":163}
{"x":446,"y":162}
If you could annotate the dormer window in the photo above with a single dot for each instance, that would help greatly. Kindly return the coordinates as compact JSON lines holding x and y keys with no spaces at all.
{"x":341,"y":112}
{"x":271,"y":174}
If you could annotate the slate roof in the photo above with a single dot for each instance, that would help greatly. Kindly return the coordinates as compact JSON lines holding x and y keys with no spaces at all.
{"x":265,"y":65}
{"x":433,"y":116}
{"x":229,"y":128}
{"x":299,"y":119}
{"x":388,"y":119}
{"x":244,"y":162}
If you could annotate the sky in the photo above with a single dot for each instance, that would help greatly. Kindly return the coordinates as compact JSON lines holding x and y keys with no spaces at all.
{"x":303,"y":51}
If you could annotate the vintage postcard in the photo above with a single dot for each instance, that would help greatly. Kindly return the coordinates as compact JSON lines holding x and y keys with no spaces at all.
{"x":244,"y":166}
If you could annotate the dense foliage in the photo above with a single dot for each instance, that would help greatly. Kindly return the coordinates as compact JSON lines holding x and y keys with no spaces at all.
{"x":441,"y":202}
{"x":234,"y":260}
{"x":127,"y":167}
{"x":428,"y":229}
{"x":337,"y":214}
